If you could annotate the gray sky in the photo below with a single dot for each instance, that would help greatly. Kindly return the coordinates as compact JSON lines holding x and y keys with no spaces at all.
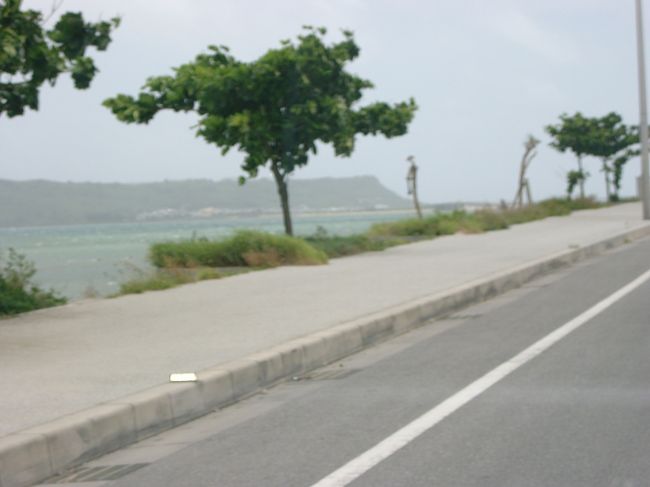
{"x":484,"y":74}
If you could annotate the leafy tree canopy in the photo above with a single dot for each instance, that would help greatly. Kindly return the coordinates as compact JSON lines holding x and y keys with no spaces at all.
{"x":574,"y":133}
{"x":30,"y":55}
{"x":602,"y":137}
{"x":274,"y":109}
{"x":611,"y":136}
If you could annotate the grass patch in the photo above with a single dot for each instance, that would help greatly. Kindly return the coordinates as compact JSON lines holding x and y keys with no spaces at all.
{"x":166,"y":279}
{"x":479,"y":221}
{"x":246,"y":248}
{"x":194,"y":259}
{"x":340,"y":246}
{"x":18,"y":293}
{"x":441,"y":224}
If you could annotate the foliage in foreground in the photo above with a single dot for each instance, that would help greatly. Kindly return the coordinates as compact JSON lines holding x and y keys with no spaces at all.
{"x":18,"y":293}
{"x":30,"y":55}
{"x":247,"y":248}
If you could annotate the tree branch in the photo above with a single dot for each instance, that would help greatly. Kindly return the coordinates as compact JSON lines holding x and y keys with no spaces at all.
{"x":55,"y":6}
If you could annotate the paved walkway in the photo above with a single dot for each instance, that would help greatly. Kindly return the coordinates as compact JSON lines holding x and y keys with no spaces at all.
{"x":57,"y":361}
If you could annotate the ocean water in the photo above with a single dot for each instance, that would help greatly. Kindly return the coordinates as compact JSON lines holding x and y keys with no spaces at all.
{"x":86,"y":260}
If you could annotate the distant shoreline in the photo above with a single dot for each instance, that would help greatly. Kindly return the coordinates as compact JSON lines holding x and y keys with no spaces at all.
{"x":49,"y":203}
{"x":264,"y":214}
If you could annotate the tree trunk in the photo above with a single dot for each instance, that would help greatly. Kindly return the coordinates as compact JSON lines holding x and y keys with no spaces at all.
{"x":416,"y":202}
{"x":283,"y":192}
{"x":523,"y":181}
{"x":582,"y":178}
{"x":518,"y":201}
{"x":608,"y":189}
{"x":528,"y":195}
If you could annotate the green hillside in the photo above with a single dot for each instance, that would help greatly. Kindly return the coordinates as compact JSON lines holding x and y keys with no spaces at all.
{"x":27,"y":203}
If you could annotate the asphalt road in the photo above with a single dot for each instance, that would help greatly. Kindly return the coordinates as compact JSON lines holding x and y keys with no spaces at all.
{"x":575,"y":414}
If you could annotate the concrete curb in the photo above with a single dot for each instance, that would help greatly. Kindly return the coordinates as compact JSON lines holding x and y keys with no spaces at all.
{"x":31,"y":456}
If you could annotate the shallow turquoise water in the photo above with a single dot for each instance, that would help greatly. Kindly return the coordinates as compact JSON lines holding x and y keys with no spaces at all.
{"x":83,"y":259}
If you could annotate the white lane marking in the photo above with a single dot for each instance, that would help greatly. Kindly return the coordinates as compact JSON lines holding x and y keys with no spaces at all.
{"x":382,"y":450}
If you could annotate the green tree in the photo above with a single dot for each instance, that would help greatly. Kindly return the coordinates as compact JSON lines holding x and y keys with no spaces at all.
{"x":613,"y":143}
{"x":576,"y":134}
{"x":274,"y":109}
{"x":31,"y":55}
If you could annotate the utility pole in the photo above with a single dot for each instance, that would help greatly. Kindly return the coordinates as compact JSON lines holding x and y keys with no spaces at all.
{"x":643,"y":114}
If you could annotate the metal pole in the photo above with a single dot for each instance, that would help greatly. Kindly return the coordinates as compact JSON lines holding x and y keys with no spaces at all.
{"x":643,"y":115}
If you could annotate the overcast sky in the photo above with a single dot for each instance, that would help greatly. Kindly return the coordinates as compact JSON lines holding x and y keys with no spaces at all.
{"x":484,"y":74}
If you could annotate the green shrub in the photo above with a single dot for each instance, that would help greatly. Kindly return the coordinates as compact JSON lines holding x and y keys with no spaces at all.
{"x":430,"y":226}
{"x":246,"y":248}
{"x":340,"y":246}
{"x":549,"y":207}
{"x":185,"y":253}
{"x":412,"y":227}
{"x":489,"y":220}
{"x":527,"y":214}
{"x":555,"y":207}
{"x":563,"y":206}
{"x":480,"y":220}
{"x":18,"y":293}
{"x":258,"y":249}
{"x":447,"y":226}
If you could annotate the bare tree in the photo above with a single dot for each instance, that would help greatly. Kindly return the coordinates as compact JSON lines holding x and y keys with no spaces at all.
{"x":411,"y":184}
{"x":529,"y":153}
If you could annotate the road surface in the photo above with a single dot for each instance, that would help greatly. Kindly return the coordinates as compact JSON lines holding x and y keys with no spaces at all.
{"x":454,"y":403}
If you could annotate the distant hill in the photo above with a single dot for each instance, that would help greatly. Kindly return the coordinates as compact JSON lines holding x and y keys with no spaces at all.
{"x":32,"y":203}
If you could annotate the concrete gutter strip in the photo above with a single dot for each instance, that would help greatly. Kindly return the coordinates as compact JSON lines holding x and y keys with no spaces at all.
{"x":32,"y":455}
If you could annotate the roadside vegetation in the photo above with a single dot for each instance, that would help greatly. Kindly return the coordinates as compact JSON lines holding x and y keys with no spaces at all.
{"x":341,"y":246}
{"x":247,"y":248}
{"x":479,"y":221}
{"x":18,"y":293}
{"x":198,"y":259}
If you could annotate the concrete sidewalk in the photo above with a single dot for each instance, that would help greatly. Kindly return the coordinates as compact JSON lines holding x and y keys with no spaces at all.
{"x":59,"y":361}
